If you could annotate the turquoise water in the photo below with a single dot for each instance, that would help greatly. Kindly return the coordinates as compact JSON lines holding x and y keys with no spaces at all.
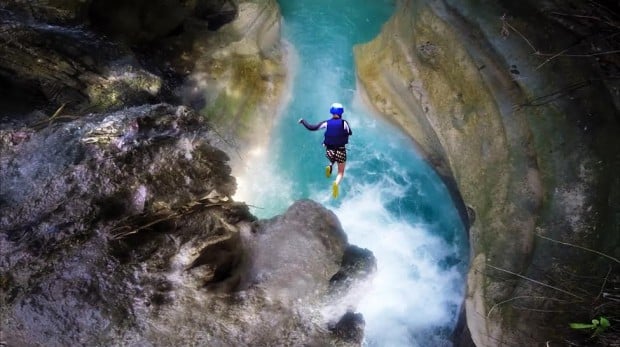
{"x":391,"y":202}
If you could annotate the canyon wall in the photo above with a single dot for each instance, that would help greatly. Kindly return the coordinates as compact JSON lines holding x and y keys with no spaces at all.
{"x":517,"y":107}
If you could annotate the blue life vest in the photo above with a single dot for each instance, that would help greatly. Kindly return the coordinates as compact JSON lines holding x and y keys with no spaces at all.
{"x":335,"y":134}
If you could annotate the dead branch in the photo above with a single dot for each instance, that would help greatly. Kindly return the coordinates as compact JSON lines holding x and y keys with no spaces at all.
{"x":233,"y":145}
{"x":187,"y":209}
{"x":521,"y":297}
{"x":52,"y":118}
{"x":604,"y":20}
{"x":580,"y":247}
{"x":545,"y":99}
{"x":507,"y":27}
{"x":122,"y":234}
{"x":535,"y":281}
{"x":604,"y":284}
{"x":506,"y":32}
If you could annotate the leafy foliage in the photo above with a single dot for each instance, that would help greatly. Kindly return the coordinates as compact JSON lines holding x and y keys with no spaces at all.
{"x":598,"y":325}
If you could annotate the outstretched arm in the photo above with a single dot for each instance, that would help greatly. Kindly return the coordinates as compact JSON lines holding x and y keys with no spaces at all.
{"x":309,"y":126}
{"x":348,"y":128}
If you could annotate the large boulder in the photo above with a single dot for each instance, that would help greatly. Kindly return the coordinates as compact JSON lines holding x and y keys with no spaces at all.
{"x":119,"y":229}
{"x":516,"y":104}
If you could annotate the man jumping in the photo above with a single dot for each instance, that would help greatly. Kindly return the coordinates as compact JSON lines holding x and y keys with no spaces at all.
{"x":337,"y":132}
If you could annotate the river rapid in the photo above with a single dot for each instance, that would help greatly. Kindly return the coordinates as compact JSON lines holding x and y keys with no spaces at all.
{"x":390,"y":202}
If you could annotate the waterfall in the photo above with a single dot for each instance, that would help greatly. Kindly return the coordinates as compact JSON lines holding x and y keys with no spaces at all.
{"x":390,"y":201}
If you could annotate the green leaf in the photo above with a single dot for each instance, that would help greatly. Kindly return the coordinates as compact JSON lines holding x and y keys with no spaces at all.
{"x":604,"y":322}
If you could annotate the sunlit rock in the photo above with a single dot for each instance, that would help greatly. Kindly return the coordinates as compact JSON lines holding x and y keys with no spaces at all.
{"x":237,"y":78}
{"x":530,"y":141}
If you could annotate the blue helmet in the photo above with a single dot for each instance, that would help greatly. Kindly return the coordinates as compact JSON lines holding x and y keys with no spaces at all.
{"x":336,"y":108}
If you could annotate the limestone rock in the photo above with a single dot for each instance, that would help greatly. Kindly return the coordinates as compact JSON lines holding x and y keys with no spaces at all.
{"x":529,"y":141}
{"x":238,"y":77}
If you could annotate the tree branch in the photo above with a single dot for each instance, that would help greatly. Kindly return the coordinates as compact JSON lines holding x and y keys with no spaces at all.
{"x":580,"y":247}
{"x":535,"y":281}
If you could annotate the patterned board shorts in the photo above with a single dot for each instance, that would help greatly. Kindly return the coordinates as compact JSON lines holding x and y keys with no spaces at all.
{"x":338,"y":155}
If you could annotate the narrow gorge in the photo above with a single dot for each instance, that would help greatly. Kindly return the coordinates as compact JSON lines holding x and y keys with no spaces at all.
{"x":156,"y":189}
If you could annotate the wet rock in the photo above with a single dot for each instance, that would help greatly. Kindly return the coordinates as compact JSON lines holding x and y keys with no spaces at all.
{"x":238,"y":77}
{"x":357,"y":265}
{"x":125,"y":221}
{"x":216,"y":13}
{"x":290,"y":239}
{"x":66,"y":197}
{"x":116,"y":223}
{"x":350,"y":328}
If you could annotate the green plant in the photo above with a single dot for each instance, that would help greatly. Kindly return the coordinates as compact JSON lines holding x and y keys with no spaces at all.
{"x":598,"y":325}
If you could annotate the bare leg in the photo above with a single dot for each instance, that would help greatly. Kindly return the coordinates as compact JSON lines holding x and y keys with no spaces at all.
{"x":340,"y":172}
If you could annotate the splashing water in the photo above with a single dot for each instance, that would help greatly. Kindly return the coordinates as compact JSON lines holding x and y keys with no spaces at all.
{"x":390,"y":201}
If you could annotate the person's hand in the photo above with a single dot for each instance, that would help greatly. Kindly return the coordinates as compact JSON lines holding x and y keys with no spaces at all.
{"x":300,"y":120}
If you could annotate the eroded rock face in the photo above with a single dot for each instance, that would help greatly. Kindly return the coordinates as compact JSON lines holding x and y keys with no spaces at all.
{"x":119,"y":229}
{"x":531,"y":143}
{"x":238,"y":78}
{"x":222,"y":58}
